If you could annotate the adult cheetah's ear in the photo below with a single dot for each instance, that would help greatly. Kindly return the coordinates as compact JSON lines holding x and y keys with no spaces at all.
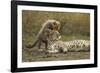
{"x":55,"y":23}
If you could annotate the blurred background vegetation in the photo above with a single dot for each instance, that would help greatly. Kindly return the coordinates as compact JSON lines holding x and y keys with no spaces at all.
{"x":73,"y":25}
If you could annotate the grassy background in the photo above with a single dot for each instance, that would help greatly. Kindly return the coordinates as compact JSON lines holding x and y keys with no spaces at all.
{"x":73,"y":26}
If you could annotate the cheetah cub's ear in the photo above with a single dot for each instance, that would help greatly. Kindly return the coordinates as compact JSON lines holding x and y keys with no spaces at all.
{"x":57,"y":25}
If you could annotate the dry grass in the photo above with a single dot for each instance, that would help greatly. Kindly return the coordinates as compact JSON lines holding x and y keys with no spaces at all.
{"x":33,"y":55}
